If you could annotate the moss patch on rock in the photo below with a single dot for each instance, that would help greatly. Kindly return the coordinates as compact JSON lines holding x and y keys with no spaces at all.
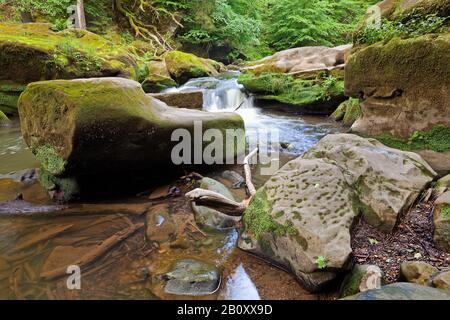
{"x":258,"y":219}
{"x":437,"y":139}
{"x":3,"y":118}
{"x":49,"y":159}
{"x":348,"y":112}
{"x":445,"y":212}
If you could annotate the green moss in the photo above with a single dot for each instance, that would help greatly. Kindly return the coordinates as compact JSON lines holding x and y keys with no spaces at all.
{"x":68,"y":186}
{"x":184,"y":66}
{"x":286,"y":89}
{"x":258,"y":219}
{"x":266,"y":248}
{"x":445,"y":212}
{"x":437,"y":139}
{"x":50,"y":159}
{"x":156,"y":83}
{"x":353,"y":112}
{"x":3,"y":118}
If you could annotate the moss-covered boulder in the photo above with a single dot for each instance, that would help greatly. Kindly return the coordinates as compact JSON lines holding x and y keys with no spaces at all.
{"x":386,"y":181}
{"x":32,"y":52}
{"x":404,"y":79}
{"x":320,"y":95}
{"x":441,"y":220}
{"x":300,"y":219}
{"x":106,"y":126}
{"x":158,"y":77}
{"x":403,"y":291}
{"x":183,"y":66}
{"x":185,"y":99}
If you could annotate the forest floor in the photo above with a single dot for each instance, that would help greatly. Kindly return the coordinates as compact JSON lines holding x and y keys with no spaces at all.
{"x":411,"y":240}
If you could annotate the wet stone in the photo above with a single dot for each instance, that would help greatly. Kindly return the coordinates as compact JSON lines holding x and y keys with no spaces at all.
{"x":192,"y":278}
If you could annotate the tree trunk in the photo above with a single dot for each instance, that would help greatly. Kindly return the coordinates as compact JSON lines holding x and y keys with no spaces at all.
{"x":81,"y":18}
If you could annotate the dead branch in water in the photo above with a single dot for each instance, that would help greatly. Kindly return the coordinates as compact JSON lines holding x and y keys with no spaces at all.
{"x":222,"y":204}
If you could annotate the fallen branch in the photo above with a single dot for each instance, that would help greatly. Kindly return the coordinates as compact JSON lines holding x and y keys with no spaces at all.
{"x":216,"y":201}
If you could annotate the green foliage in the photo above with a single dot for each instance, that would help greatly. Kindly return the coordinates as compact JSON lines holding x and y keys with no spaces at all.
{"x":321,"y":262}
{"x":224,"y":23}
{"x":413,"y":25}
{"x":445,"y":212}
{"x":437,"y":139}
{"x":312,"y":22}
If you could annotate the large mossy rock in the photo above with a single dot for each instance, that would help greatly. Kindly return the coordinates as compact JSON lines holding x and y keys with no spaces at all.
{"x":441,"y":220}
{"x":402,"y":291}
{"x":301,"y":218}
{"x":386,"y":181}
{"x":106,"y":126}
{"x":404,"y":83}
{"x":184,"y":66}
{"x":32,"y":52}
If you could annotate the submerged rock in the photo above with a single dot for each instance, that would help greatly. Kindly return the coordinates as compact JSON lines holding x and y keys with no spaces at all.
{"x":107,"y":127}
{"x":402,"y":291}
{"x":386,"y":181}
{"x":184,"y":66}
{"x":159,"y":225}
{"x":192,"y":278}
{"x":186,"y":99}
{"x":209,"y":217}
{"x":441,"y":221}
{"x":235,"y":178}
{"x":301,"y":217}
{"x":361,"y":279}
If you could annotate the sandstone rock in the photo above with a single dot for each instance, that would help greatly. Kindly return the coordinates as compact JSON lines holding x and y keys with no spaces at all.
{"x":107,"y":126}
{"x":301,"y":220}
{"x":348,"y":112}
{"x":405,"y":86}
{"x":441,"y":220}
{"x":441,"y":280}
{"x":185,"y":99}
{"x":443,"y":185}
{"x":402,"y":291}
{"x":417,"y":271}
{"x":362,"y":278}
{"x":386,"y":181}
{"x":209,"y":217}
{"x":303,"y":59}
{"x":184,"y":66}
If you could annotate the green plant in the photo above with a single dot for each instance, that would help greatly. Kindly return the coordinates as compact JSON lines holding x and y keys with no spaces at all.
{"x":321,"y":262}
{"x":413,"y":25}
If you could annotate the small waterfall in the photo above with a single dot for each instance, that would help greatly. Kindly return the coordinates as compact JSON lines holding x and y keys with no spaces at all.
{"x":218,"y":94}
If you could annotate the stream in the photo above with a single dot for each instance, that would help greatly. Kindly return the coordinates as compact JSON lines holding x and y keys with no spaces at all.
{"x":35,"y":248}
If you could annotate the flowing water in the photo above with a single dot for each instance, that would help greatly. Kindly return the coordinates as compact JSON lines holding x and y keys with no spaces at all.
{"x":108,"y":240}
